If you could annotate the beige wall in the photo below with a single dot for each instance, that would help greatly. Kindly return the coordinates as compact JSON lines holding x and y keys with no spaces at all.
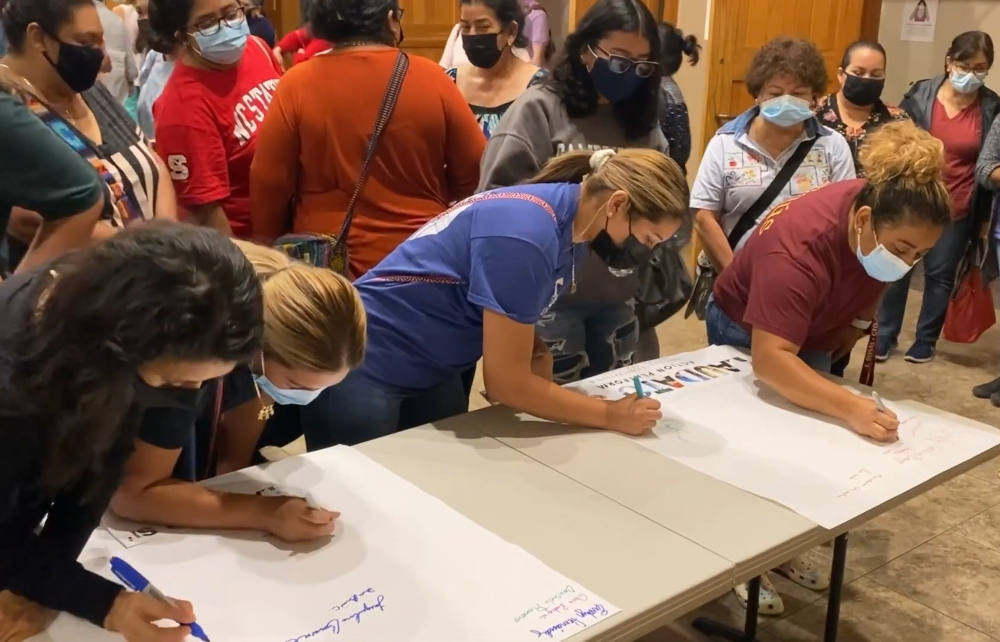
{"x":911,"y":61}
{"x":693,"y":81}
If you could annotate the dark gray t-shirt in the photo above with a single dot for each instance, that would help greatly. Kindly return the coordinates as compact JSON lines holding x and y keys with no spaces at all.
{"x":537,"y":128}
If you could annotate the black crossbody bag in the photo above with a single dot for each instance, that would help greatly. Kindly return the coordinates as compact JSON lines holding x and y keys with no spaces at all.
{"x":706,"y":273}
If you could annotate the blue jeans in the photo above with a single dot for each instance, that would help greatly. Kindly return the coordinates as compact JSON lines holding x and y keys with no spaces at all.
{"x":940,"y":265}
{"x":723,"y":331}
{"x":587,"y":339}
{"x":360,"y":409}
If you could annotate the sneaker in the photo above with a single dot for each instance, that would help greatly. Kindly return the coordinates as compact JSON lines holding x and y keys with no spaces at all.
{"x":986,"y":390}
{"x":805,"y":574}
{"x":770,"y":603}
{"x":883,"y":347}
{"x":919,"y":353}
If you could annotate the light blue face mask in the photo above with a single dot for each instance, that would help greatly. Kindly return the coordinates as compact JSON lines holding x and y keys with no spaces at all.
{"x":967,"y":82}
{"x":881,"y":264}
{"x":225,"y":46}
{"x":284,"y":396}
{"x":786,"y":110}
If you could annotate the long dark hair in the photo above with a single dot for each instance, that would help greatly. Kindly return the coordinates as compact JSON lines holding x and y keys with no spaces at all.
{"x":155,"y":290}
{"x":571,"y":81}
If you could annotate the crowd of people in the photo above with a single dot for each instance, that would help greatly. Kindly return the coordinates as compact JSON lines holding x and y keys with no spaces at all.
{"x":351,"y":249}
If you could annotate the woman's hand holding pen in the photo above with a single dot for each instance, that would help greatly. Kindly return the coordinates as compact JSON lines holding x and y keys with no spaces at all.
{"x":132,"y":614}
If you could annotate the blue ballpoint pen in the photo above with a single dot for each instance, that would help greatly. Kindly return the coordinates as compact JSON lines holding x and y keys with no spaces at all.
{"x":134,"y":580}
{"x":638,"y":387}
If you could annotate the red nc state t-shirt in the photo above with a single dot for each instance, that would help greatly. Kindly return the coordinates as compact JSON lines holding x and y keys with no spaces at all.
{"x":797,"y":277}
{"x":206,"y":130}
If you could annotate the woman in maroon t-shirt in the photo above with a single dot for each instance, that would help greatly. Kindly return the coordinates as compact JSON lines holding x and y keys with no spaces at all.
{"x":807,"y":284}
{"x":958,"y":110}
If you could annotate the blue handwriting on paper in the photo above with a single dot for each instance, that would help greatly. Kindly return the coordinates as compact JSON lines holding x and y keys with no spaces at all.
{"x":594,"y":612}
{"x":350,"y":610}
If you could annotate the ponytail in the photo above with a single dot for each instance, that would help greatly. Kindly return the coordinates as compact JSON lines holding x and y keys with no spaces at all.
{"x":655,"y":184}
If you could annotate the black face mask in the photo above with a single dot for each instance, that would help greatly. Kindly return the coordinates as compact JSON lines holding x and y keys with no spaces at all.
{"x":614,"y":87}
{"x":622,"y":259}
{"x":863,"y":91}
{"x":77,"y":65}
{"x":481,"y":49}
{"x":147,"y":396}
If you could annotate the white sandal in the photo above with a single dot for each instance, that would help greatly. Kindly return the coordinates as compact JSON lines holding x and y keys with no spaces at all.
{"x":770,"y":602}
{"x":805,"y":574}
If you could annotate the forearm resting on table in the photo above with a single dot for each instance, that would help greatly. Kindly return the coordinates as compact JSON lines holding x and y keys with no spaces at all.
{"x":174,"y":502}
{"x":545,"y":399}
{"x":211,"y":215}
{"x":714,"y":240}
{"x":794,"y":380}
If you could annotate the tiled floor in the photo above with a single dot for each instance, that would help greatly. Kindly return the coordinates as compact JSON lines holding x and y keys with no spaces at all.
{"x":927,"y":571}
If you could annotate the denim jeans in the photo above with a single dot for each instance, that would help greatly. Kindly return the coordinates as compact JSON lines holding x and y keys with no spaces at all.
{"x":723,"y":331}
{"x":360,"y":409}
{"x":939,"y":280}
{"x":587,"y":339}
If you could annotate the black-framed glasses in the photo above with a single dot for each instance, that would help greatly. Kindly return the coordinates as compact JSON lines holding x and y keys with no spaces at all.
{"x":621,"y":64}
{"x":233,"y":17}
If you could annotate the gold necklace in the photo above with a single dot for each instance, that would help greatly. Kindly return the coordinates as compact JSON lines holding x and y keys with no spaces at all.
{"x":266,"y":410}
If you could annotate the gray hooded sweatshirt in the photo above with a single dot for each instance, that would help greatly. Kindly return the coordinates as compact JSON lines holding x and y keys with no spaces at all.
{"x":536,"y":128}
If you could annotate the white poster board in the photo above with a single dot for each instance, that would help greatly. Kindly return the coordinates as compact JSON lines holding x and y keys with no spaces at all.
{"x":401,"y":566}
{"x":919,"y":20}
{"x":720,"y":420}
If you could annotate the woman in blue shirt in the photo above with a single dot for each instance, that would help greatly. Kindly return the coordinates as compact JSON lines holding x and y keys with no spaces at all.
{"x":473,"y":282}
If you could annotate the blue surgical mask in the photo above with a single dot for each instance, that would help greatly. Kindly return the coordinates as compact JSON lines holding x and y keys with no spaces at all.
{"x":786,"y":110}
{"x":284,"y":396}
{"x":881,"y":264}
{"x":967,"y":82}
{"x":224,"y":47}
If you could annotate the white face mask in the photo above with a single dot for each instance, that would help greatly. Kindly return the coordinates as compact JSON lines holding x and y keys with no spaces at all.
{"x":881,"y":264}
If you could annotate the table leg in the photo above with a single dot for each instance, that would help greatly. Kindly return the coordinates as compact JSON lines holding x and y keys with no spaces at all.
{"x":836,"y":588}
{"x":713,"y":628}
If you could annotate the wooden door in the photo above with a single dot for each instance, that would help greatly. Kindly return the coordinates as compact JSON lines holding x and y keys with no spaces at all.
{"x":426,"y":25}
{"x":740,"y":27}
{"x":285,"y":15}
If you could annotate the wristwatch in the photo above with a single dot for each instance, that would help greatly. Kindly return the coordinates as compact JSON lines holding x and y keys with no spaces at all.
{"x":862,"y":324}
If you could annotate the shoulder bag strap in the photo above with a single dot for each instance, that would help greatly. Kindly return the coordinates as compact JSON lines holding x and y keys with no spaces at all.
{"x":384,"y":113}
{"x":749,"y":218}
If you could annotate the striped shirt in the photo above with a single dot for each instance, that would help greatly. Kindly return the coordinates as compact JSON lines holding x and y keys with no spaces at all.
{"x":124,"y":148}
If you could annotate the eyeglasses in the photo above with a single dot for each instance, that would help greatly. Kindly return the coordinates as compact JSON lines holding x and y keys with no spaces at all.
{"x":234,"y":17}
{"x":964,"y":68}
{"x":621,"y":64}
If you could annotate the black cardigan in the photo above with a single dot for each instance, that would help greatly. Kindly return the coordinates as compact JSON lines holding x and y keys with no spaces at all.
{"x":40,"y":563}
{"x":919,"y":104}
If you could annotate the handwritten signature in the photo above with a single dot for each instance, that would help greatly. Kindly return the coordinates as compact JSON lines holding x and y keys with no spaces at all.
{"x":333,"y":626}
{"x":595,"y":612}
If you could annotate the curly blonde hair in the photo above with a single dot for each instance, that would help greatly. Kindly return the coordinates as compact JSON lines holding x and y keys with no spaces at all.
{"x":904,"y":165}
